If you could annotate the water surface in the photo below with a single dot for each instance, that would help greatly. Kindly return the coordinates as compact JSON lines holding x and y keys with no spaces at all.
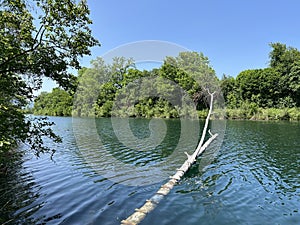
{"x":253,"y":179}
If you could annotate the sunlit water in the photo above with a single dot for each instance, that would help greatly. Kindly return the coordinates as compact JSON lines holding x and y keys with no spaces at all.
{"x":253,"y":179}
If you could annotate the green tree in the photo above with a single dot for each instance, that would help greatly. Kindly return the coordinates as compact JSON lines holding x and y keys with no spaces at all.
{"x":198,"y":67}
{"x":192,"y":71}
{"x":283,"y":57}
{"x":228,"y":86}
{"x":98,"y":86}
{"x":56,"y":103}
{"x":122,"y":86}
{"x":286,"y":61}
{"x":259,"y":86}
{"x":294,"y":82}
{"x":39,"y":38}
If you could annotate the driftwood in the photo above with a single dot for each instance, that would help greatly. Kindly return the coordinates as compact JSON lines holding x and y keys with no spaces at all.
{"x":151,"y":203}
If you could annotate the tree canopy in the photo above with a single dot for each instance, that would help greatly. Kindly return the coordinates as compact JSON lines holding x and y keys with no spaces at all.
{"x":119,"y":89}
{"x":104,"y":88}
{"x":39,"y":38}
{"x":56,"y":103}
{"x":274,"y":87}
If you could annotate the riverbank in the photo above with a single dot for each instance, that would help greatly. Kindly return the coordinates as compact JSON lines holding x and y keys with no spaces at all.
{"x":290,"y":114}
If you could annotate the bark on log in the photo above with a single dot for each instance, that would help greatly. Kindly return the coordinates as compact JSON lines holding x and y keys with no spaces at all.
{"x":151,"y":203}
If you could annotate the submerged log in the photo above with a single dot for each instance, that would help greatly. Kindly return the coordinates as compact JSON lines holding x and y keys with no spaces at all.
{"x":151,"y":203}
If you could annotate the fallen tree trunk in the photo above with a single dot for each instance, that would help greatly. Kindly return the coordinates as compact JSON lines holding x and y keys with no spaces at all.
{"x":151,"y":203}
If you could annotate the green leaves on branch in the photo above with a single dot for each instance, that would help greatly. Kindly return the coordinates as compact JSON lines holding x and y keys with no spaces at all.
{"x":39,"y":38}
{"x":56,"y":44}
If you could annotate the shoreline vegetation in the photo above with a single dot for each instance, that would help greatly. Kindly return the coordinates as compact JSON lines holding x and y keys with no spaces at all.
{"x":260,"y":114}
{"x":178,"y":88}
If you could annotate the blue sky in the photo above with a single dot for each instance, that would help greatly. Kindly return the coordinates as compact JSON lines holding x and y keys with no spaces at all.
{"x":233,"y":34}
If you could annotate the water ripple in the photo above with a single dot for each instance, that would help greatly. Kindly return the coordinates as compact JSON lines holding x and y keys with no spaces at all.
{"x":253,"y":180}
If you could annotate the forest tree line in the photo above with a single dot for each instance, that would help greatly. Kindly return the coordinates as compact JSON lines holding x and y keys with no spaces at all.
{"x":161,"y":92}
{"x":266,"y":93}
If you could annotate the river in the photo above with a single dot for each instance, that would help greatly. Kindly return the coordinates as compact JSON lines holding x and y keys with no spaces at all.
{"x":251,"y":175}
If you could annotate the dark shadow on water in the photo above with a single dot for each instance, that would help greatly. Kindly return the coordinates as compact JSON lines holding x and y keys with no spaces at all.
{"x":18,"y":191}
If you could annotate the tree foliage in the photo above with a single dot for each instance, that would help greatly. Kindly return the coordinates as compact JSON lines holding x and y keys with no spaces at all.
{"x":274,"y":87}
{"x":119,"y":89}
{"x":286,"y":61}
{"x":39,"y":38}
{"x":154,"y":93}
{"x":51,"y":48}
{"x":56,"y":103}
{"x":130,"y":92}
